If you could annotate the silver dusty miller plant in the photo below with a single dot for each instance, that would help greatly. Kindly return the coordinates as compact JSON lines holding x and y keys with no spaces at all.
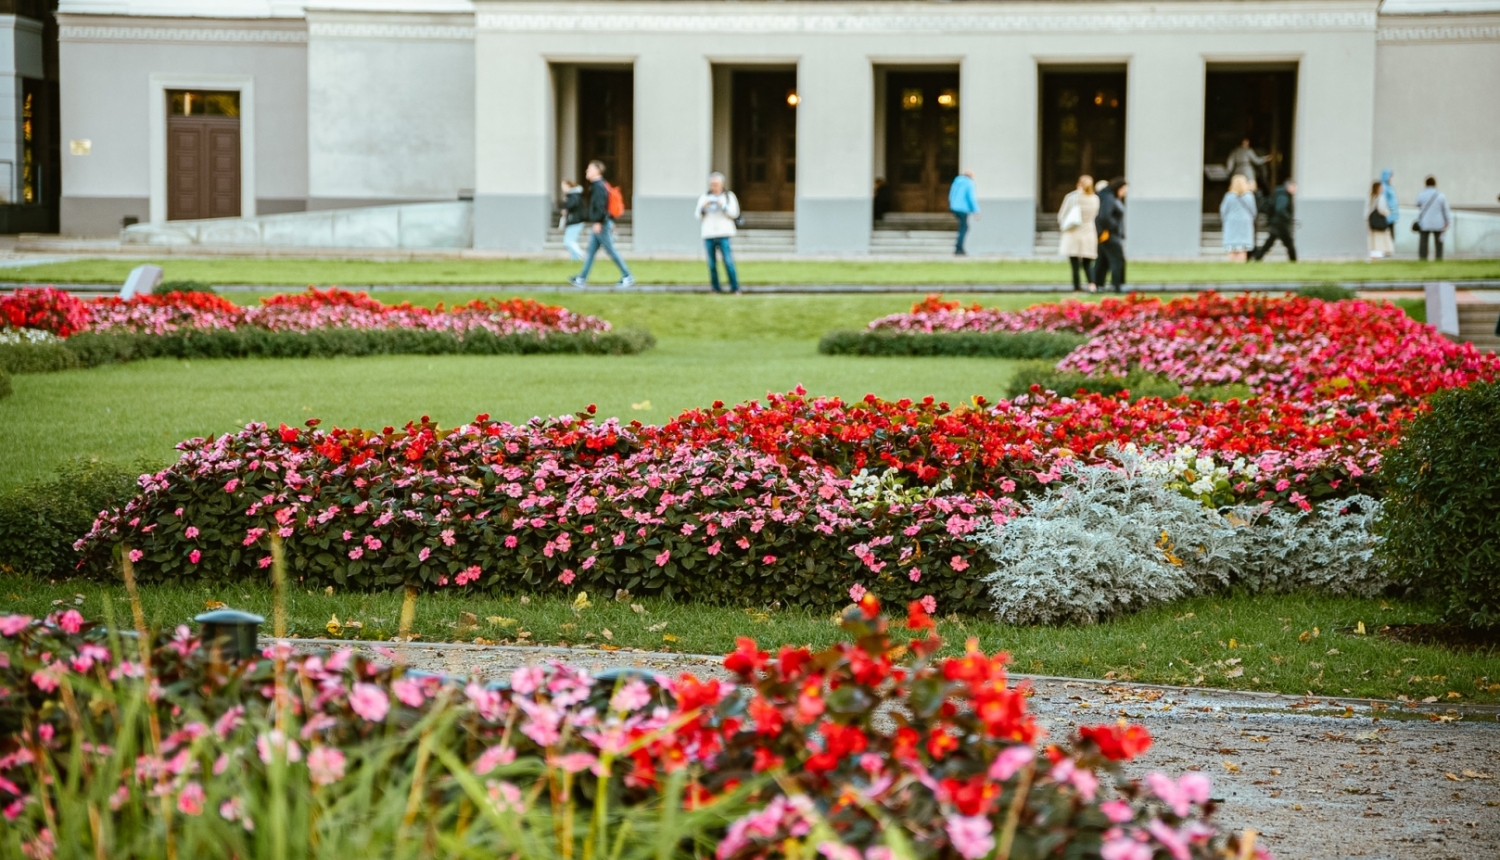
{"x":1110,"y":539}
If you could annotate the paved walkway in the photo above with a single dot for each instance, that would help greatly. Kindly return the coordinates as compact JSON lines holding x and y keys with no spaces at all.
{"x":1320,"y":779}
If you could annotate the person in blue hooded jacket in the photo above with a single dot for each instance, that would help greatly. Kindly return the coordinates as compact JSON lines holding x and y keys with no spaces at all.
{"x":1389,"y":190}
{"x":963,"y":202}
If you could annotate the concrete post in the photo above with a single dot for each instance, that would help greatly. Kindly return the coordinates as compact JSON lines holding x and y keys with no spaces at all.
{"x":835,"y":146}
{"x":1442,"y":307}
{"x":998,"y":140}
{"x":673,"y":147}
{"x":512,"y":135}
{"x":1164,"y":151}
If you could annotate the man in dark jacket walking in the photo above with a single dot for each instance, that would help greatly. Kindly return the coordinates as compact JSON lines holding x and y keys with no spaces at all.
{"x":1110,"y":224}
{"x":602,"y":227}
{"x":1280,"y":221}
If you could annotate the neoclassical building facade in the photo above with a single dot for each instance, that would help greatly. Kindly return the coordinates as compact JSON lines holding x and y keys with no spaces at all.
{"x":183,"y":109}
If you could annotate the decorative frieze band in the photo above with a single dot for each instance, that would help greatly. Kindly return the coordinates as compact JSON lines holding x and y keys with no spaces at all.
{"x":593,"y":22}
{"x":73,"y":32}
{"x":1441,"y":33}
{"x":366,"y":30}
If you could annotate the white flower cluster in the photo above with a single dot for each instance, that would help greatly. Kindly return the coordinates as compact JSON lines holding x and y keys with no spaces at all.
{"x":869,"y":490}
{"x":10,"y":336}
{"x":1106,"y":540}
{"x":1199,"y":474}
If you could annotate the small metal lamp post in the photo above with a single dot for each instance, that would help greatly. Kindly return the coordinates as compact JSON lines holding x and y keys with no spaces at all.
{"x":235,"y":635}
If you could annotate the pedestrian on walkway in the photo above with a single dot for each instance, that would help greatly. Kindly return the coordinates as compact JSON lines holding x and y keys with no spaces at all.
{"x":1237,"y":211}
{"x":1080,"y":241}
{"x":1110,"y":224}
{"x":1377,"y":216}
{"x":1388,"y":191}
{"x":601,"y":221}
{"x":963,"y":203}
{"x":1281,"y":221}
{"x":1433,"y":218}
{"x":572,"y":218}
{"x":718,"y":210}
{"x":1243,"y":161}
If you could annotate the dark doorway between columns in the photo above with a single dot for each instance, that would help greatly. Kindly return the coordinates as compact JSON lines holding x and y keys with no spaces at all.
{"x":763,"y":129}
{"x":1083,"y":129}
{"x":1257,"y":102}
{"x":921,"y":150}
{"x":606,"y":123}
{"x":203,"y":154}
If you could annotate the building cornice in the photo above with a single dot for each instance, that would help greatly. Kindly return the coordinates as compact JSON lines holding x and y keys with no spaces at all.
{"x":90,"y":28}
{"x":453,"y":27}
{"x":1405,"y":29}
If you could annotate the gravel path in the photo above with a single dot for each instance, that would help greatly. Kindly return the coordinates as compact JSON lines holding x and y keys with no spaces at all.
{"x":1320,"y":779}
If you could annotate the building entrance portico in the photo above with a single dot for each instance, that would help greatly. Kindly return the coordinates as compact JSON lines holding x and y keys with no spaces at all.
{"x":921,"y":138}
{"x":1256,"y":102}
{"x":606,"y":125}
{"x":763,"y":131}
{"x":1082,"y":129}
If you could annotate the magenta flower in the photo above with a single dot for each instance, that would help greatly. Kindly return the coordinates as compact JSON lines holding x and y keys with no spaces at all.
{"x":325,"y":765}
{"x":195,"y":556}
{"x":663,"y":557}
{"x":369,"y":701}
{"x":190,"y":532}
{"x":10,"y":625}
{"x":972,"y":835}
{"x":958,"y":563}
{"x":409,"y":692}
{"x":190,"y":799}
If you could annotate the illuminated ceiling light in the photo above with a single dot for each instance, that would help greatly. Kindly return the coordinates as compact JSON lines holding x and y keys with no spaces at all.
{"x":948,"y":98}
{"x":792,"y":99}
{"x":1098,"y":98}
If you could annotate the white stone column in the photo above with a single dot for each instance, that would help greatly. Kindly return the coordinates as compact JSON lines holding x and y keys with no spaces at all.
{"x":998,"y":141}
{"x":835,"y":148}
{"x":1164,"y":150}
{"x":673,"y":146}
{"x":565,"y":82}
{"x":1335,"y":113}
{"x":513,"y":117}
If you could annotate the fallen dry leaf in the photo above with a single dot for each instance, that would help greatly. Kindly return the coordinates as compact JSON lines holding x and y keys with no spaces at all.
{"x":1231,"y":767}
{"x":607,"y":634}
{"x":638,"y":609}
{"x":213,"y":604}
{"x":1454,"y":777}
{"x":1236,"y":672}
{"x":667,"y":637}
{"x":657,"y":628}
{"x":1474,"y":774}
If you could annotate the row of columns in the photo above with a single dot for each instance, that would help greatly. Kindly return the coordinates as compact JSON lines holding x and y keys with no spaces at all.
{"x":516,"y":147}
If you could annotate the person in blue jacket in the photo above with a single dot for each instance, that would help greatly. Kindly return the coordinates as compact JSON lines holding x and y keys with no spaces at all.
{"x":1391,"y":203}
{"x":962,"y":202}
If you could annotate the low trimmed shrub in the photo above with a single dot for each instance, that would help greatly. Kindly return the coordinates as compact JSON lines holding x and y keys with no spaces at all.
{"x":40,"y":521}
{"x":5,"y":389}
{"x":182,"y":287}
{"x":1442,"y":515}
{"x":45,"y":356}
{"x":1019,"y":344}
{"x":1067,"y":383}
{"x":1327,"y":291}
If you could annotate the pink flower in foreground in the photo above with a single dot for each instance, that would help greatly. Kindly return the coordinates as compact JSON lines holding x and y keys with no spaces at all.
{"x":1117,"y":811}
{"x":370,"y":702}
{"x":325,"y":765}
{"x":190,"y":532}
{"x":190,"y":799}
{"x":1125,"y":849}
{"x":1010,"y":760}
{"x":972,"y":835}
{"x":409,"y":692}
{"x":234,"y":810}
{"x":495,"y":756}
{"x":633,"y":696}
{"x":71,"y":621}
{"x":10,"y":625}
{"x":275,"y":741}
{"x":958,"y":563}
{"x":915,"y":575}
{"x":195,"y":556}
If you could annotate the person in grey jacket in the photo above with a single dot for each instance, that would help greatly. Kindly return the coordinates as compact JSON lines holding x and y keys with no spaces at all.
{"x":1433,"y":218}
{"x":1243,"y":161}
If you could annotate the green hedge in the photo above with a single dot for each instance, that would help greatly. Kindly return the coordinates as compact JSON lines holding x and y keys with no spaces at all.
{"x":40,"y":521}
{"x":182,"y":287}
{"x":1327,"y":291}
{"x":91,"y":350}
{"x":1020,"y":344}
{"x":1442,"y":510}
{"x":1137,"y":382}
{"x":5,"y":389}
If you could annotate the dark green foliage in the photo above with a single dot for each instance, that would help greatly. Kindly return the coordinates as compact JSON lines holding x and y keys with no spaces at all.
{"x":40,"y":521}
{"x":1327,"y":291}
{"x":36,"y":357}
{"x":91,"y":350}
{"x":5,"y":390}
{"x":182,"y":287}
{"x":1044,"y":374}
{"x":1021,"y":344}
{"x":1442,"y":509}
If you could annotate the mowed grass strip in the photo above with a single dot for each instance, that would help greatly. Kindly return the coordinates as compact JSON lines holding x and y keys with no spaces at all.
{"x":1290,"y":644}
{"x":322,"y":272}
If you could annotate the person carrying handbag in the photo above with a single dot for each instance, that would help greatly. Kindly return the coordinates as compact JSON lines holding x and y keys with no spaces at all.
{"x":1080,"y":239}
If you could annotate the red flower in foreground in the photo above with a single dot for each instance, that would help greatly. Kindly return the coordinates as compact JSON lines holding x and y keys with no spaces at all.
{"x":746,"y":658}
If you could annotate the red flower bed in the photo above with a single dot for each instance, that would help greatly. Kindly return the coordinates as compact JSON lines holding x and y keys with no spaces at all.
{"x":45,"y":308}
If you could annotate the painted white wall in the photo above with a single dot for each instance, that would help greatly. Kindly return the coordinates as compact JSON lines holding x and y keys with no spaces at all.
{"x":673,"y":122}
{"x":512,"y":110}
{"x":835,"y":122}
{"x":1432,"y":115}
{"x":105,"y":100}
{"x":390,"y":107}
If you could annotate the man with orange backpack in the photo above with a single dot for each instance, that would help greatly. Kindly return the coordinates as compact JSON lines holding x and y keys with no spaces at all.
{"x":602,"y":205}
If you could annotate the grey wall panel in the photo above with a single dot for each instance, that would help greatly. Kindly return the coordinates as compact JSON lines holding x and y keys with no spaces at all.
{"x":1332,"y":228}
{"x":318,"y":204}
{"x":99,"y":216}
{"x":1163,"y":228}
{"x":511,"y":222}
{"x":662,"y":224}
{"x":1004,"y":227}
{"x":278,"y":205}
{"x":833,"y":226}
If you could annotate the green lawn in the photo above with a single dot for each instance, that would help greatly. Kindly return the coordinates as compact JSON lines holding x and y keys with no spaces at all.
{"x":727,"y":348}
{"x":1196,"y":642}
{"x":300,"y":272}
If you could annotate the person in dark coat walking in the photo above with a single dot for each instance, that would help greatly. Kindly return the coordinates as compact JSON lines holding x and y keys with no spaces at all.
{"x":1281,"y":221}
{"x":1110,"y":224}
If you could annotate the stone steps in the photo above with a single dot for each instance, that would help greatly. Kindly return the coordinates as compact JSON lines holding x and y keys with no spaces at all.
{"x":1476,"y":324}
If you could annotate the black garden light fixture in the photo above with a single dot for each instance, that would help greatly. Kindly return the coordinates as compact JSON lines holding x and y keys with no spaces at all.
{"x":234,"y":634}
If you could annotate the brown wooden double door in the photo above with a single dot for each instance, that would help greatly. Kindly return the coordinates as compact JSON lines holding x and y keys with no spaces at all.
{"x":921,"y":151}
{"x":763,"y":128}
{"x":606,"y":124}
{"x":203,"y":155}
{"x":1083,"y":131}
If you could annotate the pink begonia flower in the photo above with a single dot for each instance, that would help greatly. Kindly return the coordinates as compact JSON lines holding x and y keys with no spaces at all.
{"x":495,"y":756}
{"x":838,"y":851}
{"x":190,"y":532}
{"x":234,"y":810}
{"x":856,"y":592}
{"x":1117,"y":811}
{"x":743,"y":543}
{"x":10,"y":625}
{"x":325,"y":765}
{"x":567,"y":577}
{"x":663,"y":557}
{"x":972,"y":835}
{"x":958,"y":563}
{"x":136,"y":555}
{"x":357,"y":552}
{"x":1175,"y":843}
{"x":506,"y":796}
{"x":1125,"y":848}
{"x":274,"y":741}
{"x":1010,"y":760}
{"x":409,"y":692}
{"x":511,"y":541}
{"x":195,"y":556}
{"x":915,"y":575}
{"x":190,"y":799}
{"x":768,"y":560}
{"x":369,"y":701}
{"x":426,"y":551}
{"x":1194,"y":787}
{"x":633,"y":696}
{"x":71,"y":621}
{"x":527,"y":679}
{"x":575,"y":762}
{"x":232,"y":485}
{"x":929,"y":604}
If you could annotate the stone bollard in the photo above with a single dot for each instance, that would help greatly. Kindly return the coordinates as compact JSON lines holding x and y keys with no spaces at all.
{"x":1442,"y":307}
{"x":234,"y":634}
{"x":142,"y":280}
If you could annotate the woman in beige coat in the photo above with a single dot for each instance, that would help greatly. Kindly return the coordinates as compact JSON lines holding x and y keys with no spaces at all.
{"x":1080,"y":241}
{"x":1381,"y":244}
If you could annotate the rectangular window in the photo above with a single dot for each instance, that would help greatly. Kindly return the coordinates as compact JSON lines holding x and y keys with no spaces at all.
{"x":203,"y":103}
